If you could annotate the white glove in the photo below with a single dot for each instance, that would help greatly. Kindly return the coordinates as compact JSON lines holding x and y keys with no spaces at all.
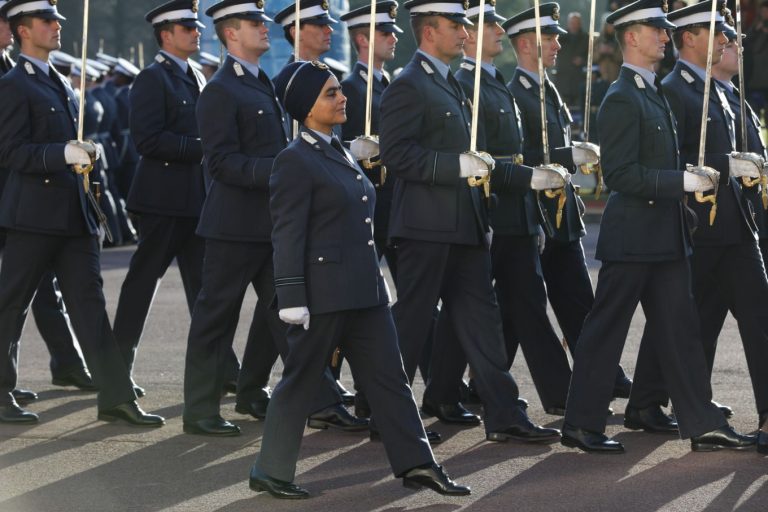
{"x":585,"y":153}
{"x":475,"y":163}
{"x":364,"y":148}
{"x":81,"y":153}
{"x":745,"y":165}
{"x":700,"y":179}
{"x":296,"y":316}
{"x":546,"y":177}
{"x":542,"y":240}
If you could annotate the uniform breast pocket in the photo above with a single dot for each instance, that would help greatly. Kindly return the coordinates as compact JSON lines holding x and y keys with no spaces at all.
{"x":182,"y":111}
{"x":44,"y":202}
{"x":265,"y":119}
{"x":56,"y":120}
{"x":655,"y":135}
{"x":448,"y":122}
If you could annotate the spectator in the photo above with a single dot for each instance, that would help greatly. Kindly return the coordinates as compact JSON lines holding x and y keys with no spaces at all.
{"x":571,"y":60}
{"x":756,"y":46}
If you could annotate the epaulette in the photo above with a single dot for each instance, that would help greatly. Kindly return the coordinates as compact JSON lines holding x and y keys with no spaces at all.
{"x":364,"y":75}
{"x":467,"y":65}
{"x":238,"y":69}
{"x":29,"y":68}
{"x":427,"y":68}
{"x":639,"y":82}
{"x":525,"y":82}
{"x":159,"y":58}
{"x":686,"y":76}
{"x":310,"y":140}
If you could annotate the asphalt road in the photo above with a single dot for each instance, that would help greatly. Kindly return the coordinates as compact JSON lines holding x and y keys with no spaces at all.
{"x":72,"y":462}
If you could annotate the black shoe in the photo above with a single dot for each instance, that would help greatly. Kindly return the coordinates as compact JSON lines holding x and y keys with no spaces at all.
{"x":260,"y":481}
{"x":522,"y":403}
{"x":451,"y":413}
{"x":77,"y":377}
{"x":347,"y":398}
{"x":362,"y":409}
{"x":12,"y":413}
{"x":229,"y":387}
{"x":215,"y":426}
{"x":435,"y":478}
{"x":524,"y":431}
{"x":130,"y":412}
{"x":24,"y":396}
{"x":140,"y":391}
{"x":622,"y":387}
{"x":468,"y":393}
{"x":588,"y":441}
{"x":762,"y":442}
{"x":555,"y":411}
{"x":651,"y":419}
{"x":722,"y":438}
{"x":432,"y":437}
{"x":727,"y":411}
{"x":256,"y":408}
{"x":336,"y":416}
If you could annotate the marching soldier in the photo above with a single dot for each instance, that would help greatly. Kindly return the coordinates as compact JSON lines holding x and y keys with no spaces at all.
{"x":644,"y":245}
{"x":119,"y":83}
{"x":438,"y":221}
{"x":242,"y":128}
{"x":569,"y":288}
{"x":331,"y":290}
{"x":49,"y":217}
{"x":168,"y":190}
{"x":315,"y":28}
{"x":67,"y":366}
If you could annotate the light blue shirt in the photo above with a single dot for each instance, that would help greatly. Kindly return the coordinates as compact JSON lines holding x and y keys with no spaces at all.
{"x":648,"y":75}
{"x":441,"y":66}
{"x":328,"y":138}
{"x":250,"y":66}
{"x":44,"y":66}
{"x":377,"y":73}
{"x":728,"y":85}
{"x":490,"y":68}
{"x":534,"y":76}
{"x":183,"y":64}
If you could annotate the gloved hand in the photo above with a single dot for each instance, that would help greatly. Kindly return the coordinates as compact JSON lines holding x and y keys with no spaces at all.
{"x":541,"y":239}
{"x":552,"y":176}
{"x":747,"y":165}
{"x":585,"y":153}
{"x":700,"y":179}
{"x":296,"y":316}
{"x":81,"y":153}
{"x":364,"y":148}
{"x":475,"y":163}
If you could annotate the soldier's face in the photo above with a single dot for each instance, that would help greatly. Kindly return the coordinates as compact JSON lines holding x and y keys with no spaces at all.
{"x":384,"y":45}
{"x":315,"y":39}
{"x":700,"y":43}
{"x":182,"y":40}
{"x":330,"y":107}
{"x":41,"y":34}
{"x":550,"y":45}
{"x":254,"y":36}
{"x":448,"y":38}
{"x":729,"y":64}
{"x":6,"y":37}
{"x":493,"y":36}
{"x":651,"y":42}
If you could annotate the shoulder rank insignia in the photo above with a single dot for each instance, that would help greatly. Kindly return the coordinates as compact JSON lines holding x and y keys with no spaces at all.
{"x":427,"y":68}
{"x":29,"y":68}
{"x":467,"y":65}
{"x":686,"y":76}
{"x":309,"y":139}
{"x":639,"y":82}
{"x":238,"y":69}
{"x":159,"y":58}
{"x":363,"y":75}
{"x":525,"y":82}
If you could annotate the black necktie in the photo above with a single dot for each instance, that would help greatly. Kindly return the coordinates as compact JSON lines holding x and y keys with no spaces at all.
{"x":500,"y":77}
{"x":657,"y":84}
{"x":196,"y":87}
{"x":337,"y":146}
{"x":456,"y":87}
{"x":384,"y":80}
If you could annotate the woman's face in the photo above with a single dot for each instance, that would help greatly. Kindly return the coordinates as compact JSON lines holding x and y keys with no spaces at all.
{"x":330,"y":107}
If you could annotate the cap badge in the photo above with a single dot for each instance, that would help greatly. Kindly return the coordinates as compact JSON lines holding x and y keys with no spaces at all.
{"x":492,"y":3}
{"x":194,"y":5}
{"x":324,"y":5}
{"x":466,"y":4}
{"x":393,"y":11}
{"x":664,"y":6}
{"x":556,"y":13}
{"x":53,"y":2}
{"x":260,"y":4}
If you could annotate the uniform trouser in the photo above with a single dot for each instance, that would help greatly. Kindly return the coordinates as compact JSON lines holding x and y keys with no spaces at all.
{"x":161,"y":240}
{"x":664,"y":290}
{"x":75,"y":261}
{"x":460,"y":275}
{"x":730,"y":278}
{"x":228,"y":269}
{"x":370,"y":342}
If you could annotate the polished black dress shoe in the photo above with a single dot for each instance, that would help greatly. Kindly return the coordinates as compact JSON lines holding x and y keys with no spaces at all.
{"x":524,"y":431}
{"x":256,"y":408}
{"x":76,"y":377}
{"x":130,"y":412}
{"x":336,"y":416}
{"x":140,"y":391}
{"x":722,"y":438}
{"x":622,"y":387}
{"x":762,"y":442}
{"x":24,"y":396}
{"x":12,"y":413}
{"x":522,"y":403}
{"x":260,"y":481}
{"x":433,"y":477}
{"x":229,"y":387}
{"x":727,"y":411}
{"x":451,"y":413}
{"x":651,"y":419}
{"x":468,"y":393}
{"x":588,"y":441}
{"x":362,"y":408}
{"x":432,"y":436}
{"x":215,"y":426}
{"x":347,"y":398}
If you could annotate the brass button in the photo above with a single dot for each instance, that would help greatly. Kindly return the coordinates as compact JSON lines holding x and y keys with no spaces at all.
{"x":166,"y":164}
{"x":365,"y":199}
{"x":501,"y":110}
{"x":184,"y":102}
{"x":651,"y":202}
{"x":367,"y":220}
{"x":370,"y":243}
{"x":320,"y":259}
{"x":47,"y":180}
{"x":261,"y":112}
{"x":359,"y":178}
{"x":53,"y":109}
